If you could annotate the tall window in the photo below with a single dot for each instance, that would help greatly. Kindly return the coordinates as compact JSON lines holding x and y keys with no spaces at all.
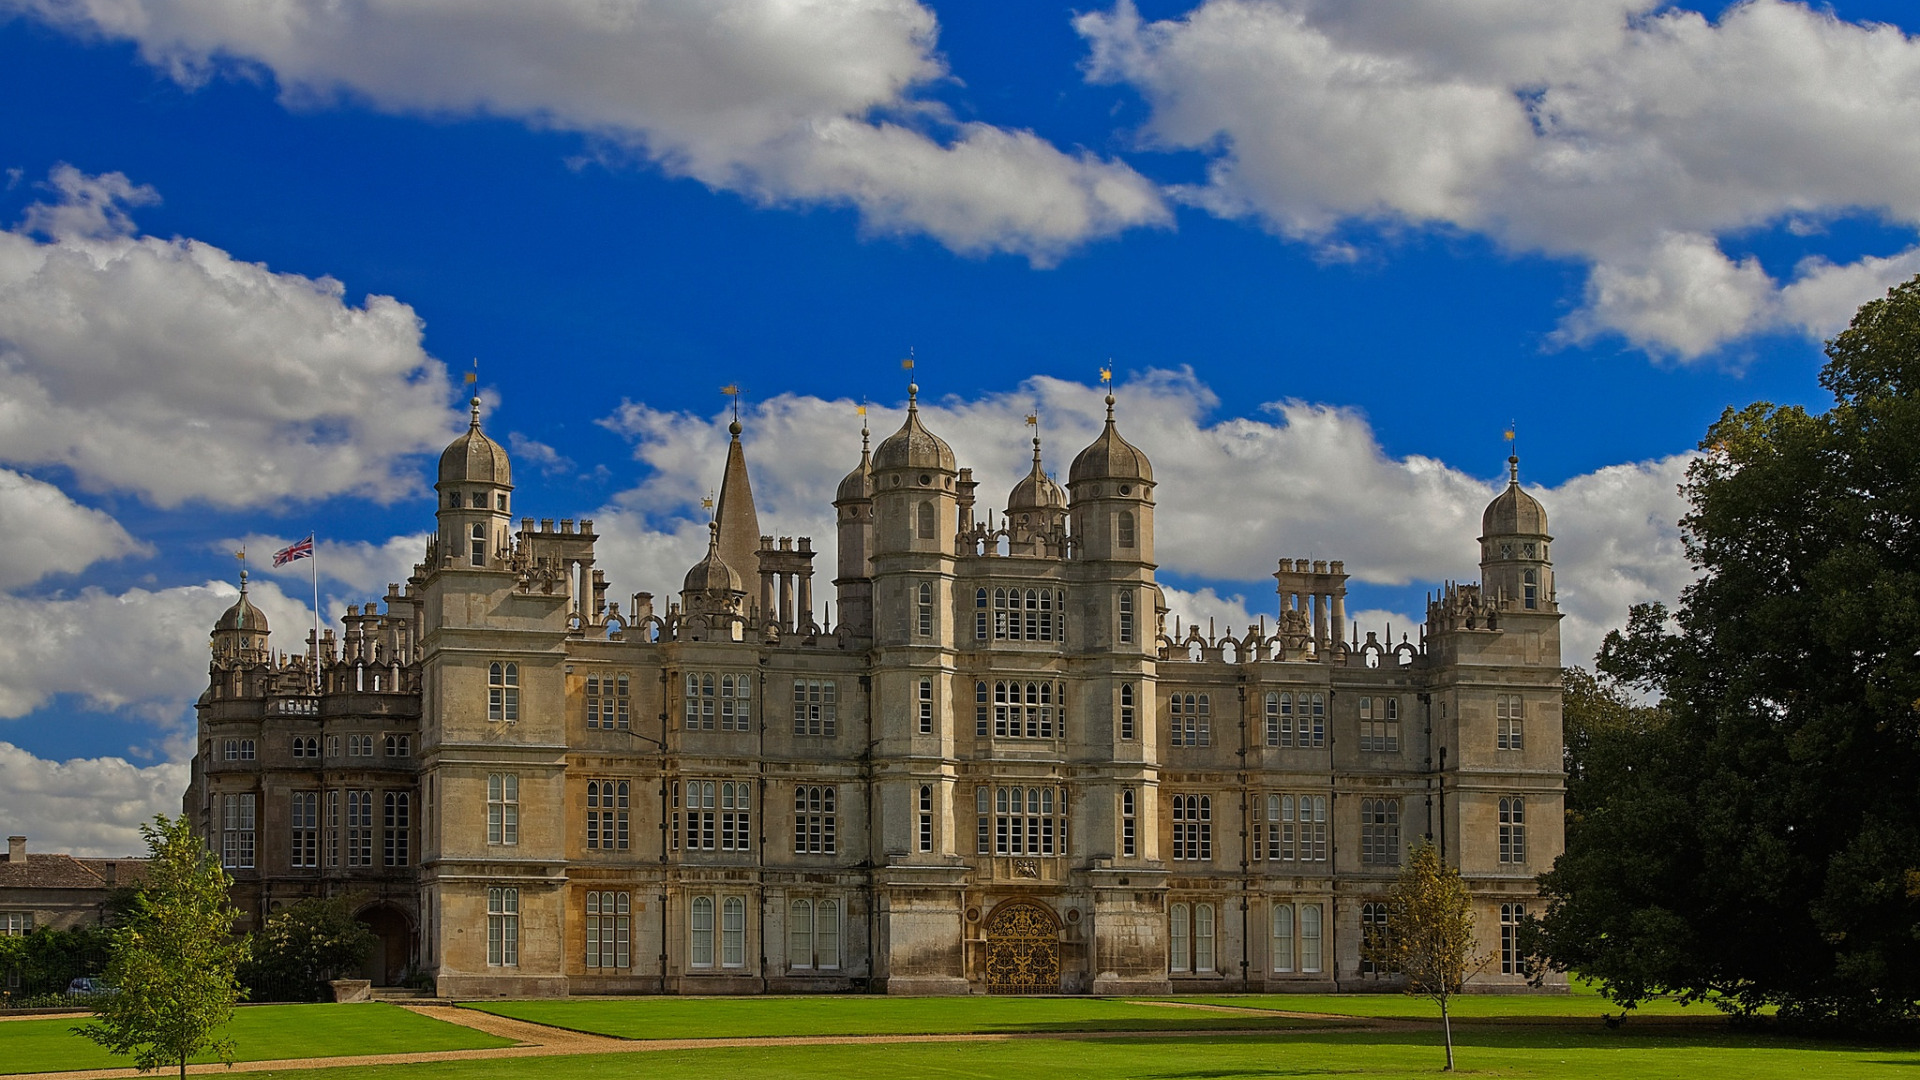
{"x":813,"y":934}
{"x":733,"y":932}
{"x":982,"y":709}
{"x":16,"y":923}
{"x":608,"y":930}
{"x":925,"y":520}
{"x":1193,"y":828}
{"x":700,"y":930}
{"x":306,"y":746}
{"x":236,"y":831}
{"x":926,"y":706}
{"x":926,"y":818}
{"x":1296,"y":829}
{"x":1265,"y":828}
{"x":1279,"y":719}
{"x":1313,"y":721}
{"x":503,"y":808}
{"x":1380,"y":724}
{"x":718,"y":694}
{"x":607,"y":815}
{"x":1513,"y":830}
{"x":331,"y":839}
{"x":1123,"y":529}
{"x":924,"y":623}
{"x":609,"y":701}
{"x":398,"y":745}
{"x":980,"y":615}
{"x":736,"y":815}
{"x":1192,"y":719}
{"x":813,"y":820}
{"x":503,"y":927}
{"x":359,"y":828}
{"x":1511,"y":961}
{"x":1310,"y":938}
{"x":1529,"y":590}
{"x":1029,"y":615}
{"x":503,"y":691}
{"x":1509,"y":718}
{"x":1192,"y":938}
{"x":1027,"y":710}
{"x":1126,"y":617}
{"x":1128,"y":824}
{"x":1380,"y":832}
{"x":1373,"y":935}
{"x":983,"y":825}
{"x":396,"y":829}
{"x":478,"y":551}
{"x":303,"y":813}
{"x":1282,"y":918}
{"x":239,"y":749}
{"x":1029,"y":821}
{"x":1127,"y":729}
{"x":816,"y":708}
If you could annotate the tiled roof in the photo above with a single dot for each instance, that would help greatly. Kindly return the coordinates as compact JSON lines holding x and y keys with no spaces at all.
{"x":48,"y":872}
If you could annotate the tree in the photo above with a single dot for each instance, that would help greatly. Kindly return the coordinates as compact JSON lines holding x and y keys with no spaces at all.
{"x":172,"y":972}
{"x":1759,"y":849}
{"x":1429,"y":938}
{"x":302,"y":947}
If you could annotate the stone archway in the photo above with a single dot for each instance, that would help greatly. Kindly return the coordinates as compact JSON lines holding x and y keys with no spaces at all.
{"x":387,"y":964}
{"x":1023,"y":949}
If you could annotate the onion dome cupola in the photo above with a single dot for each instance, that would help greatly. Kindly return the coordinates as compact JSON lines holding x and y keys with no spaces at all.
{"x":915,"y":500}
{"x":712,"y":587}
{"x":1036,"y":511}
{"x":1111,"y":486}
{"x":241,"y":632}
{"x":1036,"y":491}
{"x":853,"y":511}
{"x":1515,"y":548}
{"x":476,"y":499}
{"x":913,"y":446}
{"x":857,"y":485}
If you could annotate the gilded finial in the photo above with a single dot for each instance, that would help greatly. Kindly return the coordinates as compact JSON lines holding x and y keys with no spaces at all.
{"x":1513,"y":453}
{"x":1106,"y":380}
{"x":473,"y":380}
{"x":732,"y":390}
{"x":863,"y":429}
{"x":913,"y":388}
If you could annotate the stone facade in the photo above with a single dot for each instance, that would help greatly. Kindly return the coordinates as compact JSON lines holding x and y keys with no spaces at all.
{"x":998,"y":770}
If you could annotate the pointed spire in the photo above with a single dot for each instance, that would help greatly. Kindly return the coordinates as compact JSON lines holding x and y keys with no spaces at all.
{"x":736,"y":521}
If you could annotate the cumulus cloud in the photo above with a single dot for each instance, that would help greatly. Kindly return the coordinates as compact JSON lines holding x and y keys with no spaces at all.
{"x":1627,"y":134}
{"x":141,"y":652}
{"x":42,"y":532}
{"x":170,"y":369}
{"x":365,"y":567}
{"x":85,"y":806}
{"x":810,"y":102}
{"x":1234,"y":495}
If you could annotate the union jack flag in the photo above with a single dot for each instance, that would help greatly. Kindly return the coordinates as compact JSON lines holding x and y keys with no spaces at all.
{"x":301,"y":549}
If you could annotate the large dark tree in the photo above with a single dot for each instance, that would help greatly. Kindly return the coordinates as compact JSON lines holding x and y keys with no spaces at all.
{"x":1764,"y":844}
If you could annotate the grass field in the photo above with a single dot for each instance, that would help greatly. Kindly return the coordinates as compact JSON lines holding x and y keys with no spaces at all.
{"x":718,"y":1018}
{"x":1580,"y":1005}
{"x":1520,"y":1054}
{"x":259,"y":1033}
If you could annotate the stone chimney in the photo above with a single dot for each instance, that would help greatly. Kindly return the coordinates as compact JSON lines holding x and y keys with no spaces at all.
{"x":16,"y":849}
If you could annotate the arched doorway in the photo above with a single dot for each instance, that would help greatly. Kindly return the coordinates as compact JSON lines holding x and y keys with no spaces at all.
{"x":1023,"y":949}
{"x":386,"y":965}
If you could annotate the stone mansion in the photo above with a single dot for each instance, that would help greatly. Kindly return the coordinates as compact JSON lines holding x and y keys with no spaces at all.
{"x":996,"y":772}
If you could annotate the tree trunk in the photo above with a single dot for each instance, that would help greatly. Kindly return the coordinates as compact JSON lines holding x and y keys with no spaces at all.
{"x":183,"y":1067}
{"x":1446,"y":1026}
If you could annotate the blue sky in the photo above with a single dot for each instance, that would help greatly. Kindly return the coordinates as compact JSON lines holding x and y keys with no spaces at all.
{"x":1331,"y":251}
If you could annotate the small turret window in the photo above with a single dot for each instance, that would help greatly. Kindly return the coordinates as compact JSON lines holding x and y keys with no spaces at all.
{"x":500,"y":503}
{"x":1530,"y":590}
{"x":479,"y":500}
{"x":980,"y":614}
{"x":503,"y":691}
{"x":926,"y":606}
{"x":479,"y":552}
{"x":1126,"y":618}
{"x":1123,"y":528}
{"x":926,"y":521}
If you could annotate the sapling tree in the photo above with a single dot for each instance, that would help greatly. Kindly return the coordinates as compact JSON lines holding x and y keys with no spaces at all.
{"x":1429,"y":938}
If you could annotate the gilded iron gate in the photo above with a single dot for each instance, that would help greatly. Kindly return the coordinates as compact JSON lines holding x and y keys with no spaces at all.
{"x":1023,"y":949}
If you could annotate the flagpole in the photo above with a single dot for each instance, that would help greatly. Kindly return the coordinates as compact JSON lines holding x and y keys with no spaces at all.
{"x":316,"y":613}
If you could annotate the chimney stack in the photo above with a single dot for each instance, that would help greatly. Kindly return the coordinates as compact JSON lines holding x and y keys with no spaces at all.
{"x":16,"y":849}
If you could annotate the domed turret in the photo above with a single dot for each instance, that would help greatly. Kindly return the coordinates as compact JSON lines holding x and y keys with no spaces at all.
{"x":913,"y":446}
{"x":1513,"y":512}
{"x":243,"y":615}
{"x":240,"y":635}
{"x":857,"y":485}
{"x":475,"y":459}
{"x":712,"y":574}
{"x":1110,"y":457}
{"x":1515,"y":564}
{"x":1036,"y":490}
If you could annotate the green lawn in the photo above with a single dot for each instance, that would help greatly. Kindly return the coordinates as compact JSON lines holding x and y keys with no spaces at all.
{"x":752,"y":1017}
{"x":1533,"y":1007}
{"x":259,"y":1033}
{"x":1520,"y":1054}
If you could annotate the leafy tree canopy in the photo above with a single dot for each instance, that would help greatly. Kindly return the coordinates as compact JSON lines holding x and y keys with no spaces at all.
{"x":1429,"y":940}
{"x":303,"y":946}
{"x":172,"y":972}
{"x":1756,"y":844}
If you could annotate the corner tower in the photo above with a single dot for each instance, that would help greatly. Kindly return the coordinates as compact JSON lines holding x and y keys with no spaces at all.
{"x":476,"y":501}
{"x":853,"y":511}
{"x":915,"y":508}
{"x":1514,"y":550}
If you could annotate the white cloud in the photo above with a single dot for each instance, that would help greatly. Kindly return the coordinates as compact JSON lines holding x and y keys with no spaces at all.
{"x":86,"y":806}
{"x":1233,"y":496}
{"x":1624,"y":133}
{"x":780,"y":100}
{"x":42,"y":532}
{"x":529,"y":451}
{"x":170,"y":369}
{"x":365,"y":567}
{"x":141,"y":652}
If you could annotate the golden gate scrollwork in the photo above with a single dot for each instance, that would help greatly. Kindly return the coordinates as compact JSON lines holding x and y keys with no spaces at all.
{"x":1023,"y":949}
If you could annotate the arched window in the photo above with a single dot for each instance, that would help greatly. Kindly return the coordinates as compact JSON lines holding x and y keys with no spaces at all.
{"x":1310,"y":938}
{"x":1126,"y":617}
{"x":1127,"y":730}
{"x":926,"y":610}
{"x":733,"y":932}
{"x":800,"y":934}
{"x":701,"y":929}
{"x":503,"y":691}
{"x":1127,"y":823}
{"x":479,"y":548}
{"x":980,"y":704}
{"x":1513,"y":830}
{"x":1529,"y":590}
{"x":826,"y":934}
{"x":980,"y":614}
{"x":926,"y":818}
{"x":1373,"y":936}
{"x":1203,"y":937}
{"x":1283,"y":937}
{"x":926,"y":709}
{"x":1180,"y":954}
{"x":1005,"y":625}
{"x":1123,"y":529}
{"x":925,"y":517}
